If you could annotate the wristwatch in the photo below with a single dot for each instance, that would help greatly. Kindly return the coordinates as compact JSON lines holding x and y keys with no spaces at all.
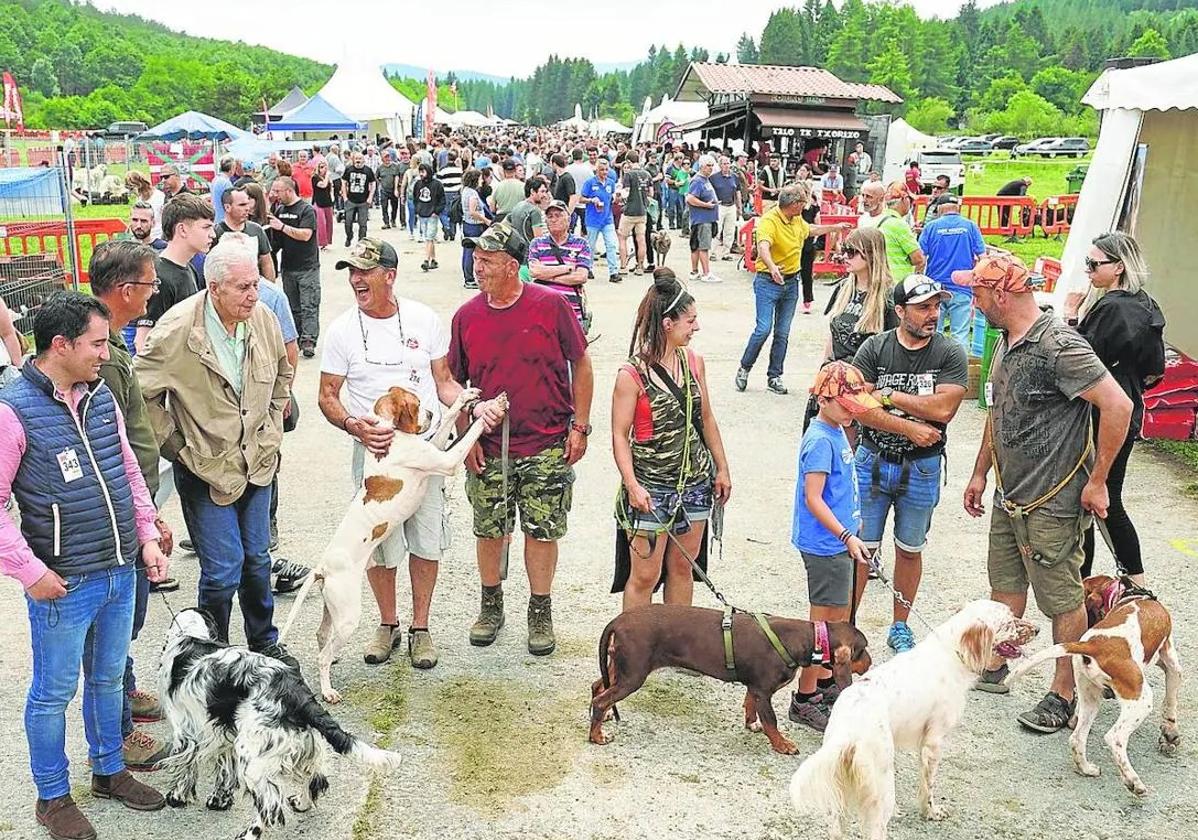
{"x":884,"y":397}
{"x":581,"y":429}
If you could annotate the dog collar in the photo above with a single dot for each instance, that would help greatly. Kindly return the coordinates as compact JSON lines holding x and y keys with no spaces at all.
{"x":1111,"y":595}
{"x":821,"y":653}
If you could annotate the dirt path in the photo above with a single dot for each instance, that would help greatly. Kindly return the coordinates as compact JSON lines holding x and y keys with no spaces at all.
{"x":495,"y":738}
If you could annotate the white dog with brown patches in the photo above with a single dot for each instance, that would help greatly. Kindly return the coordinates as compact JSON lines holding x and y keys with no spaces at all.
{"x":392,"y":491}
{"x":911,"y":703}
{"x":1129,"y":630}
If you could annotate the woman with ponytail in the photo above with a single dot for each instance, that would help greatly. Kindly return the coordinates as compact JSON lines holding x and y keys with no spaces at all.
{"x":667,"y":447}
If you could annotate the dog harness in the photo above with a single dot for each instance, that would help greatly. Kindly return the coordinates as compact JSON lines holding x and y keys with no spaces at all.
{"x":819,"y":654}
{"x":1120,"y":591}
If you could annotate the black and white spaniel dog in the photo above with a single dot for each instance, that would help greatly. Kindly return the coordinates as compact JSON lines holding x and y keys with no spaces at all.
{"x":251,"y":719}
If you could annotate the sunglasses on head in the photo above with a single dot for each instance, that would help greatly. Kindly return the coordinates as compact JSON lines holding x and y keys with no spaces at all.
{"x":1092,"y":264}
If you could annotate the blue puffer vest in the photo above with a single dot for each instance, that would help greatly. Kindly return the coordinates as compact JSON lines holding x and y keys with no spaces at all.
{"x":75,"y":497}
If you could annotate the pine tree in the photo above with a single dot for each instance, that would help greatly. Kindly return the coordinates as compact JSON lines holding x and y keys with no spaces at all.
{"x":746,"y":50}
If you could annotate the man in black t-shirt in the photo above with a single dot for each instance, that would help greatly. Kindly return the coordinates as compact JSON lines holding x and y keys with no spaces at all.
{"x":187,"y":227}
{"x":919,"y":375}
{"x":357,"y":188}
{"x":564,"y":189}
{"x":238,"y":206}
{"x":294,"y":220}
{"x":634,"y":186}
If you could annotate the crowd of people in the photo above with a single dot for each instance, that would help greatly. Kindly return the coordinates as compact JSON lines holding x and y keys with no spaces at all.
{"x":173,"y":358}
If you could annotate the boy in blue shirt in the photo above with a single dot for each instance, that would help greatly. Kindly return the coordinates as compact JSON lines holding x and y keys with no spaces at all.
{"x":827,"y":517}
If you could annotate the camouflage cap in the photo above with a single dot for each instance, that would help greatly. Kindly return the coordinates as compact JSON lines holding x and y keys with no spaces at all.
{"x":370,"y":253}
{"x":499,"y":237}
{"x":842,"y":382}
{"x":1000,"y":271}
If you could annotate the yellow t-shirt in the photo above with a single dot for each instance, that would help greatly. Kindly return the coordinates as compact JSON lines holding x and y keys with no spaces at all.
{"x":785,"y":237}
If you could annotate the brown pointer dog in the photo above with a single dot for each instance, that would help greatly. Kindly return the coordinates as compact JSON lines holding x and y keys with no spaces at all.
{"x":638,"y":642}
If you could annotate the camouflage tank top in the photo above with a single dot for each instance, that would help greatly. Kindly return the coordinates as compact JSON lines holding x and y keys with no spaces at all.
{"x":660,"y":447}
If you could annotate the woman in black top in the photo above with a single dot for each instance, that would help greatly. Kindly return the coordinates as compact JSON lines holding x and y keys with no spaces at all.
{"x":1125,"y":327}
{"x":322,"y":200}
{"x":807,"y":258}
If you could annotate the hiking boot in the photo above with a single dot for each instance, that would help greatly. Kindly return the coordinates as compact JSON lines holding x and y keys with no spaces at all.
{"x":812,"y":713}
{"x":900,"y":637}
{"x":146,"y":708}
{"x":288,"y":576}
{"x":279,"y":652}
{"x":490,"y":618}
{"x":742,"y":378}
{"x":421,"y":649}
{"x":994,"y":682}
{"x":143,"y":752}
{"x":774,"y":383}
{"x":127,"y":790}
{"x":386,"y":638}
{"x":63,"y":819}
{"x":541,"y":640}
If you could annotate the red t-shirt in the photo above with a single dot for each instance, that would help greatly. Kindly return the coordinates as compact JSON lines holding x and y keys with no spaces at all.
{"x":913,"y":175}
{"x":302,"y":173}
{"x":523,"y":350}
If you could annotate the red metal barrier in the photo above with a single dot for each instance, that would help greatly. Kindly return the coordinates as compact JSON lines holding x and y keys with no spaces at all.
{"x":996,"y":215}
{"x":1056,"y":214}
{"x":41,"y":155}
{"x":19,"y":238}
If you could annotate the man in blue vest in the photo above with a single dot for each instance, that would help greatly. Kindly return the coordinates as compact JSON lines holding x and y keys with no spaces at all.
{"x":86,"y":518}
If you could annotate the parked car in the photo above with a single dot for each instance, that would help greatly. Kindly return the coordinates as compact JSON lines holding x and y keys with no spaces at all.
{"x":990,"y":138}
{"x":1066,"y":147}
{"x":1005,"y":141}
{"x":1033,"y":147}
{"x":974,"y":147}
{"x":933,"y":162}
{"x":124,"y":129}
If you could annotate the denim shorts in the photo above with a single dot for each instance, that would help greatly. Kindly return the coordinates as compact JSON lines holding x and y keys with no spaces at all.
{"x":426,"y":229}
{"x":694,"y":507}
{"x":913,"y":504}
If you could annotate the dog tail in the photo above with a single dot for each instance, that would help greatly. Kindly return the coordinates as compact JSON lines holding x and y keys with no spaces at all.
{"x":298,"y":602}
{"x":1082,"y":648}
{"x":849,"y":768}
{"x":342,"y":742}
{"x":818,"y":786}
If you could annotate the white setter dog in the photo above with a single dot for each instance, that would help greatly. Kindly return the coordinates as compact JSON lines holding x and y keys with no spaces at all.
{"x":252,"y":720}
{"x":911,"y":703}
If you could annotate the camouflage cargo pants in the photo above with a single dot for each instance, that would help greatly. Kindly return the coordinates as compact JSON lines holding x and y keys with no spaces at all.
{"x":540,"y":487}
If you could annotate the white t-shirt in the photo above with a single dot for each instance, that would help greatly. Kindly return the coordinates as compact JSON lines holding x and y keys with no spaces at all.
{"x":867,"y":221}
{"x":396,"y":351}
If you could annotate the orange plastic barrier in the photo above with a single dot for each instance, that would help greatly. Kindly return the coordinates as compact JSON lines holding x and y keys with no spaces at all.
{"x":825,"y":260}
{"x":996,"y":215}
{"x":10,"y":157}
{"x":1056,"y":214}
{"x":1051,"y":270}
{"x":18,"y":238}
{"x":39,"y":155}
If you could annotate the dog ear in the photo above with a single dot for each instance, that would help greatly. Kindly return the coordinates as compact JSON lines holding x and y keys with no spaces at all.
{"x":976,"y":644}
{"x":401,"y":408}
{"x":842,"y":666}
{"x":390,"y":405}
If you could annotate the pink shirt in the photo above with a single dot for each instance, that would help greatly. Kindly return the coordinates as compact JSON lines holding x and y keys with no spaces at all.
{"x":17,"y":560}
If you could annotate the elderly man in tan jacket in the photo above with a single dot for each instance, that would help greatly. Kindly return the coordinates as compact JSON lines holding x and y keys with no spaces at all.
{"x":215,"y":377}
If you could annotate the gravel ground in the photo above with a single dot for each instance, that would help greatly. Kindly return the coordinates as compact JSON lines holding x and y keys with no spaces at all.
{"x":495,"y":739}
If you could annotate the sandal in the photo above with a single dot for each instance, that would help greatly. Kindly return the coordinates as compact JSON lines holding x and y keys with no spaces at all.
{"x":1049,"y":715}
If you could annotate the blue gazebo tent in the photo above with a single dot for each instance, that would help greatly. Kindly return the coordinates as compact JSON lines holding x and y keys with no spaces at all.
{"x":317,"y":114}
{"x":193,"y":125}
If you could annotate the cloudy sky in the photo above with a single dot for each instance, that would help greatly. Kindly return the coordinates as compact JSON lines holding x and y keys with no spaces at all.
{"x":481,"y":35}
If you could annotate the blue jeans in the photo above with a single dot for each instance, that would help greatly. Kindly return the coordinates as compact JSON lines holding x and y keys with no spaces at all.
{"x":913,"y":499}
{"x":411,"y":214}
{"x":609,"y":243}
{"x":449,"y":227}
{"x":775,"y":312}
{"x":669,"y":203}
{"x":957,"y":314}
{"x":88,"y":627}
{"x":469,"y":230}
{"x":141,"y":601}
{"x":232,"y":543}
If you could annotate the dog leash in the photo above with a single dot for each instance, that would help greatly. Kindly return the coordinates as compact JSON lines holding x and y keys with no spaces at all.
{"x":509,"y":524}
{"x":875,"y":566}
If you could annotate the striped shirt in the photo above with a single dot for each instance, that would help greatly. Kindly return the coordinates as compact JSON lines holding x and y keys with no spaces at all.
{"x":450,"y":178}
{"x":574,"y":253}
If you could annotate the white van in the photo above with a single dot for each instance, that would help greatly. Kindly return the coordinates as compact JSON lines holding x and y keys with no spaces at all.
{"x":933,"y":162}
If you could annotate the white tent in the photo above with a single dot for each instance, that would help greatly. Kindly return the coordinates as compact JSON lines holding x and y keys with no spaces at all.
{"x":645,"y":128}
{"x":466,"y":118}
{"x":1142,"y":180}
{"x":903,"y":140}
{"x":602,"y":127}
{"x":362,"y":92}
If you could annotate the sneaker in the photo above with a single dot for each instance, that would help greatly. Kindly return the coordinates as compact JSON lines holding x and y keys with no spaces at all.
{"x":806,"y":307}
{"x":710,"y":278}
{"x":279,"y":652}
{"x":693,"y":276}
{"x":424,"y":266}
{"x":994,"y":682}
{"x":289,"y":576}
{"x":143,"y":752}
{"x":421,"y":649}
{"x":188,"y":546}
{"x":385,"y":639}
{"x":811,"y":713}
{"x":127,"y":790}
{"x":774,"y":383}
{"x":146,"y":708}
{"x":541,"y":640}
{"x":1049,"y":715}
{"x":638,"y":271}
{"x":470,"y":284}
{"x":831,"y":693}
{"x":490,"y":618}
{"x":349,"y":241}
{"x":728,"y":257}
{"x":742,"y":378}
{"x":63,"y":819}
{"x":615,"y":278}
{"x":900,"y":637}
{"x":308,"y":348}
{"x":433,"y":264}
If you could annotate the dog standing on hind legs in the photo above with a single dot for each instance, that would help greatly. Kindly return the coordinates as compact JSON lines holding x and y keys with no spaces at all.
{"x":1129,"y":630}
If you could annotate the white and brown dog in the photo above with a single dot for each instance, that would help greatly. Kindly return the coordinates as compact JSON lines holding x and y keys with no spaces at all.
{"x":911,"y":703}
{"x":1129,"y":630}
{"x":393,"y":490}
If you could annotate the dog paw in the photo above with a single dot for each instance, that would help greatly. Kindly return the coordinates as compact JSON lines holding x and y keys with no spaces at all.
{"x":1169,"y":741}
{"x":935,"y":813}
{"x":755,"y":726}
{"x":219,"y":802}
{"x":1088,"y":768}
{"x":601,"y":738}
{"x":785,"y":746}
{"x":299,"y":804}
{"x":1136,"y":786}
{"x":468,"y":395}
{"x":331,"y":695}
{"x":175,"y":801}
